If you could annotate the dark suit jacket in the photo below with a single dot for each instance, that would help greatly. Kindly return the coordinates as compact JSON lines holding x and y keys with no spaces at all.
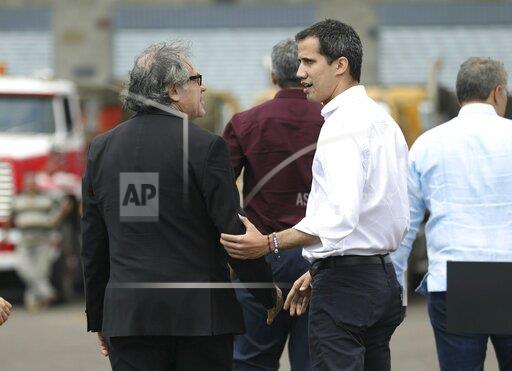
{"x":181,"y":246}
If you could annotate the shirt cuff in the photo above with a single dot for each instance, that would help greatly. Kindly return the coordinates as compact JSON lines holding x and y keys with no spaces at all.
{"x":306,"y":225}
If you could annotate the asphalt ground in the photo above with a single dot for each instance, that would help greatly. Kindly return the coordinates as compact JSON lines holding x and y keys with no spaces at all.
{"x":55,"y":340}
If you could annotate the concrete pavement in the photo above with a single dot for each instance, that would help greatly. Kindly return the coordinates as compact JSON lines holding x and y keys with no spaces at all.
{"x":55,"y":340}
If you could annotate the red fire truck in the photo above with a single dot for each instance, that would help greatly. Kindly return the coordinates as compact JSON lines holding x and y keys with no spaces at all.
{"x":37,"y":116}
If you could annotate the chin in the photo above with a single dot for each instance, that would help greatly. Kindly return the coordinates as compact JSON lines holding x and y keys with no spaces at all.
{"x":313,"y":98}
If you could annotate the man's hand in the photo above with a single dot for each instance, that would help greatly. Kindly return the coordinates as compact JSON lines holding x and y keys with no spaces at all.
{"x":250,"y":245}
{"x":298,"y":297}
{"x":5,"y":310}
{"x":273,"y":312}
{"x":103,"y":344}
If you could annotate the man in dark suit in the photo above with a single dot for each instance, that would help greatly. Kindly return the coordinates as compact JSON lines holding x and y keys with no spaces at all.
{"x":156,"y":277}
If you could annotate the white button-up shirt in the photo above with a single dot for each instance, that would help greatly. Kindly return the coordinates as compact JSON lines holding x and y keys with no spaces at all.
{"x":358,"y":203}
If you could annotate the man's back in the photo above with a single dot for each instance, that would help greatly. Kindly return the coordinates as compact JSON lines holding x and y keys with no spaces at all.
{"x":262,"y":138}
{"x":182,"y":245}
{"x":466,"y":178}
{"x":460,"y":171}
{"x":150,"y":144}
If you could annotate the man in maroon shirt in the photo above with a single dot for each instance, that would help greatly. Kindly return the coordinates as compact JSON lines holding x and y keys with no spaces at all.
{"x":260,"y":139}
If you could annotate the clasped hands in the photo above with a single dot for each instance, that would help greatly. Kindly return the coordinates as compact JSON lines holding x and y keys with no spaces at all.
{"x":253,"y":245}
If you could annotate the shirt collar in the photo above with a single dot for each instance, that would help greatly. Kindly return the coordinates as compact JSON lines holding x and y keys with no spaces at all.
{"x":477,"y":108}
{"x":155,"y":111}
{"x":347,"y":95}
{"x":291,"y":93}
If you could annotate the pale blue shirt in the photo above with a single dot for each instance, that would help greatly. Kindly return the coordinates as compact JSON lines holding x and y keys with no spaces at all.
{"x":461,"y":172}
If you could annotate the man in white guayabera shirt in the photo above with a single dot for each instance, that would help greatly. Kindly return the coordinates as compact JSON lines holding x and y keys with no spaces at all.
{"x":461,"y":172}
{"x":357,"y":212}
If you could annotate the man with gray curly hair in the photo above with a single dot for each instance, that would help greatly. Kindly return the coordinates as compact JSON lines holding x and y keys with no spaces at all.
{"x":157,"y":281}
{"x":161,"y":76}
{"x":460,"y":171}
{"x":259,"y":140}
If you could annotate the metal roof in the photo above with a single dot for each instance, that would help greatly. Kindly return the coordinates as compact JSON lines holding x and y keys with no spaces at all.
{"x":212,"y":16}
{"x":444,"y":14}
{"x":406,"y":53}
{"x":25,"y":19}
{"x":24,"y":52}
{"x":229,"y":59}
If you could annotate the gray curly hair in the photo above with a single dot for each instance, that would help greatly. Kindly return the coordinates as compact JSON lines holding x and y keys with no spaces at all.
{"x":285,"y":63}
{"x":158,"y":66}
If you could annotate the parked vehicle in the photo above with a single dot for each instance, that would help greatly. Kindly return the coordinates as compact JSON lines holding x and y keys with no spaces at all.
{"x":37,"y":118}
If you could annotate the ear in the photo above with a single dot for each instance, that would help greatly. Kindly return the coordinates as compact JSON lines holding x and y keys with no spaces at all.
{"x":273,"y":78}
{"x":341,"y":65}
{"x":500,"y":91}
{"x":174,"y":95}
{"x":501,"y":98}
{"x":494,"y":96}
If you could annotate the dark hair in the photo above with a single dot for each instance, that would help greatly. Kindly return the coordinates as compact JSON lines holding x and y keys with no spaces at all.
{"x":285,"y":63}
{"x":158,"y":66}
{"x":337,"y":39}
{"x":477,"y":77}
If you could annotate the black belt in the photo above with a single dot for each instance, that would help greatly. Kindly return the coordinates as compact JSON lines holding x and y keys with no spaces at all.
{"x":347,"y":260}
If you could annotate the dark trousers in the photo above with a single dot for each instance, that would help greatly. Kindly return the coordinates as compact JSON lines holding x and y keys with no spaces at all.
{"x":171,"y":353}
{"x":260,"y":348}
{"x":464,"y":352}
{"x":353,"y":312}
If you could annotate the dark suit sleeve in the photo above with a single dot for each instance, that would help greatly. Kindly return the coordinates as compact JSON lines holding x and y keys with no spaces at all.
{"x":236,"y":153}
{"x":95,"y":253}
{"x":223,"y":205}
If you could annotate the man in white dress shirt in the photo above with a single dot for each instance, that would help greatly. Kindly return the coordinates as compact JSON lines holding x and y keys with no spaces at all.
{"x":357,"y":212}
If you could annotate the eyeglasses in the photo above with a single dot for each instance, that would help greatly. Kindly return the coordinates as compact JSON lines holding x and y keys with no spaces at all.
{"x":198,"y":78}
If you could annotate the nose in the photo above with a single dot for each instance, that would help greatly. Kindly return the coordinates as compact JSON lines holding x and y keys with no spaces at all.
{"x":301,"y":73}
{"x":203,"y":88}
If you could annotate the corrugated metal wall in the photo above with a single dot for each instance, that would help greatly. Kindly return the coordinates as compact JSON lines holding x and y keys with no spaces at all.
{"x":229,"y":59}
{"x":26,"y":40}
{"x":406,"y":53}
{"x":26,"y":52}
{"x":412,"y":37}
{"x":229,"y":43}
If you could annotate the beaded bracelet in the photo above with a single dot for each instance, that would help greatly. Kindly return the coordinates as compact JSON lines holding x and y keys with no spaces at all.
{"x":276,"y":245}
